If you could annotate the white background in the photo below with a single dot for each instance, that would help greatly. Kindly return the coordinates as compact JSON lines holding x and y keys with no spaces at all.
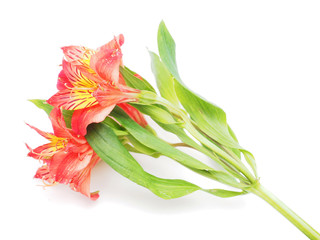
{"x":258,"y":60}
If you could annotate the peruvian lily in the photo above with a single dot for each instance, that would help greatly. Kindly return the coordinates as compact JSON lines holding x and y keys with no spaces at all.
{"x":67,"y":158}
{"x":90,"y":84}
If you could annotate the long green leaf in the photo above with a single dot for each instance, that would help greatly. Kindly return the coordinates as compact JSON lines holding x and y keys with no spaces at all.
{"x":153,"y":142}
{"x":106,"y":144}
{"x":233,"y":135}
{"x":157,"y":113}
{"x":210,"y":118}
{"x":135,"y":82}
{"x":165,"y":80}
{"x":167,"y":50}
{"x":142,"y":148}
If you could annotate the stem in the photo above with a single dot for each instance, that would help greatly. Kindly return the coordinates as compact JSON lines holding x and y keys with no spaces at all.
{"x":196,"y":134}
{"x":238,"y":165}
{"x":285,"y":211}
{"x":146,"y":97}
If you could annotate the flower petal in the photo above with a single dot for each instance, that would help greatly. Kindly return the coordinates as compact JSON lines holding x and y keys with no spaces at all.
{"x":81,"y":181}
{"x":58,"y":123}
{"x":94,"y":195}
{"x":121,"y":80}
{"x":63,"y":81}
{"x":46,"y":135}
{"x":115,"y":43}
{"x":106,"y":61}
{"x":78,"y":55}
{"x":74,"y":169}
{"x":134,"y":114}
{"x":72,"y":99}
{"x":83,"y":117}
{"x":44,"y":173}
{"x":77,"y":77}
{"x":65,"y":166}
{"x":111,"y":95}
{"x":46,"y":151}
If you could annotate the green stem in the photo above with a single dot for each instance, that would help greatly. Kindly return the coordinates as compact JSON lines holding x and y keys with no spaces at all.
{"x":285,"y":211}
{"x":146,"y":97}
{"x":238,"y":165}
{"x":196,"y":134}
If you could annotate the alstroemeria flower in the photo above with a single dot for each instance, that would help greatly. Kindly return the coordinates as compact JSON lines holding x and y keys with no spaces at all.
{"x":67,"y":158}
{"x":90,"y":83}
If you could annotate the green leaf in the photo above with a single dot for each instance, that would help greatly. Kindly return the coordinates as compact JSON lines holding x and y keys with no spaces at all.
{"x":106,"y":144}
{"x":162,"y":147}
{"x":41,"y":103}
{"x":180,"y":133}
{"x":250,"y":160}
{"x":134,"y":82}
{"x":164,"y":79}
{"x":233,"y":135}
{"x":117,"y":129}
{"x":153,"y":142}
{"x":210,"y":118}
{"x":167,"y":50}
{"x":142,"y":148}
{"x":212,"y":121}
{"x":157,"y":113}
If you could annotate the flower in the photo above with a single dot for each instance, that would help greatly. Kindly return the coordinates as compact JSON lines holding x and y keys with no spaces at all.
{"x":90,"y":84}
{"x":67,"y":158}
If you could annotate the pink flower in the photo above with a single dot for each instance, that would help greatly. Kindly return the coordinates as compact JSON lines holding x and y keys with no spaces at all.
{"x":90,"y":84}
{"x":67,"y":158}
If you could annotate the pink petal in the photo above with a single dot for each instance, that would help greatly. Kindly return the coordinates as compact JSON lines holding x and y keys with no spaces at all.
{"x":72,"y":99}
{"x":63,"y":81}
{"x":43,"y":152}
{"x":58,"y":123}
{"x":42,"y":133}
{"x":45,"y":174}
{"x":75,"y":54}
{"x":134,"y":114}
{"x":94,"y":196}
{"x":75,"y":169}
{"x":111,"y":95}
{"x":83,"y":117}
{"x":79,"y":77}
{"x":106,"y":61}
{"x":121,"y":80}
{"x":81,"y":181}
{"x":115,"y":43}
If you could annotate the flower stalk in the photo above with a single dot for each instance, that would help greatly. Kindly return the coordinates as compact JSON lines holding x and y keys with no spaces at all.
{"x":277,"y":204}
{"x":146,"y":97}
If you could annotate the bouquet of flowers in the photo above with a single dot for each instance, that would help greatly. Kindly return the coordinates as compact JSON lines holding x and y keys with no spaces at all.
{"x":98,"y":115}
